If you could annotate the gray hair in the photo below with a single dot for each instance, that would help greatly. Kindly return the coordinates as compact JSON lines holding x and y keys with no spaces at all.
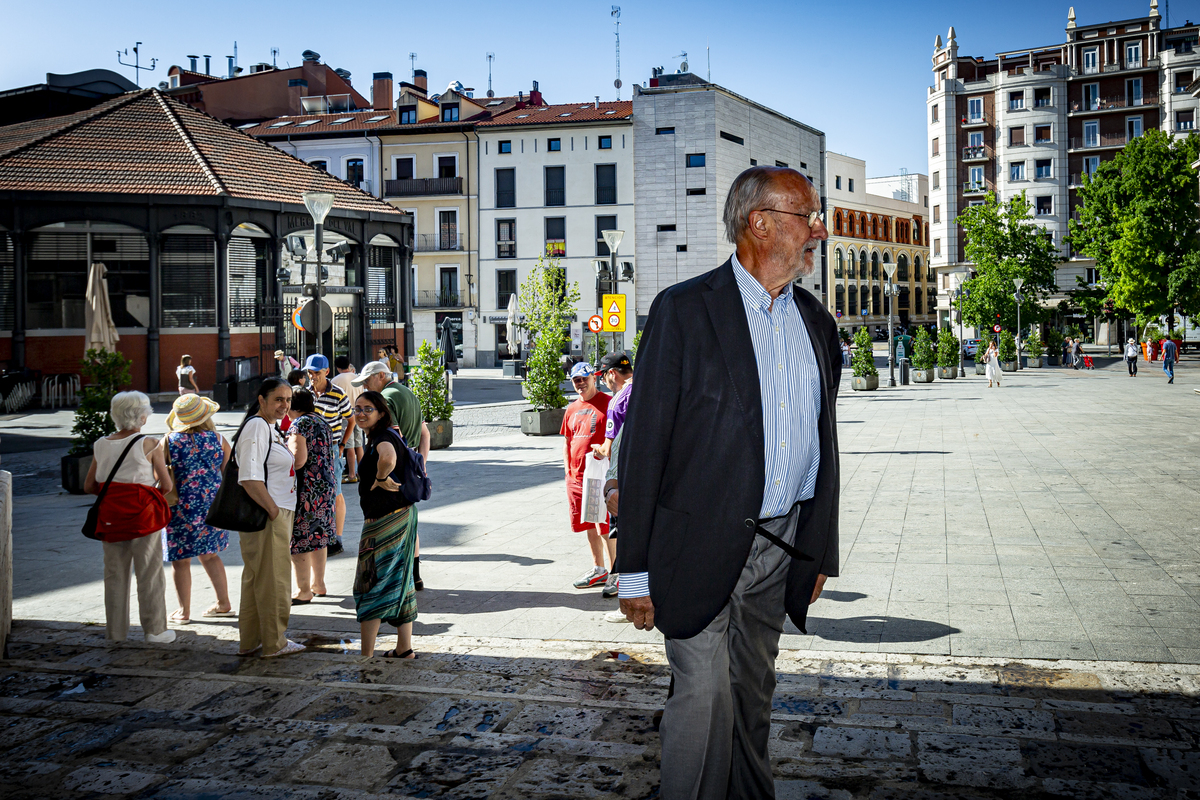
{"x":130,"y":410}
{"x":752,"y":190}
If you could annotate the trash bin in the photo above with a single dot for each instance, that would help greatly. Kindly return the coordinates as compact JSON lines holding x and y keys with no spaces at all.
{"x":904,"y":376}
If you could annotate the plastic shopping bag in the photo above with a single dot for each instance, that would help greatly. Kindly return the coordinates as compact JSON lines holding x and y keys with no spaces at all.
{"x":592,"y":509}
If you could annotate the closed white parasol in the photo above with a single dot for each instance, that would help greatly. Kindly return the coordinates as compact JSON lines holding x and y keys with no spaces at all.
{"x":98,"y":319}
{"x":514,"y":344}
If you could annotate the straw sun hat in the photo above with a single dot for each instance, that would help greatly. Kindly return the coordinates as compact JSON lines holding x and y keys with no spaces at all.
{"x":190,"y":410}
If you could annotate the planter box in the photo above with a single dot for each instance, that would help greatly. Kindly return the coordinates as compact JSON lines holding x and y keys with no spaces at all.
{"x":74,"y":472}
{"x":922,"y":376}
{"x":542,"y":423}
{"x":947,"y":373}
{"x":1033,"y":363}
{"x":980,"y":368}
{"x":1008,"y":366}
{"x":867,"y":383}
{"x":1053,"y":361}
{"x":441,"y":434}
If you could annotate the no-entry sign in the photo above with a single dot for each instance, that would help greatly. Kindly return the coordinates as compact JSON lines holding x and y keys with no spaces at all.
{"x":595,"y":323}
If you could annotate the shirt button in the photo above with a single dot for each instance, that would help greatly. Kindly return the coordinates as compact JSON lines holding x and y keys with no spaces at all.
{"x":781,"y":405}
{"x":783,"y":444}
{"x":781,"y":366}
{"x":776,"y":483}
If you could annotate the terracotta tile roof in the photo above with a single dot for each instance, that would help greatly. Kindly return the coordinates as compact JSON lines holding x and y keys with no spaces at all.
{"x":147,"y":143}
{"x":321,"y":123}
{"x":562,"y":114}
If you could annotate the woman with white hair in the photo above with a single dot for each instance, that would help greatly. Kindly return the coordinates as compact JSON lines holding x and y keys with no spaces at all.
{"x":145,"y":465}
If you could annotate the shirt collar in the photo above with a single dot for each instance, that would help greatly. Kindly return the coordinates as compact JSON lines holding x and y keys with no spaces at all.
{"x":754,"y":293}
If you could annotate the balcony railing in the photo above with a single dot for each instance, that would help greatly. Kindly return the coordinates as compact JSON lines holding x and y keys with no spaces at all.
{"x":556,"y":197}
{"x":430,"y":242}
{"x":977,"y":152}
{"x":977,"y":187}
{"x":433,"y":298}
{"x":422,"y":187}
{"x":971,"y":121}
{"x":1185,"y":125}
{"x":506,"y":249}
{"x":1103,"y":140}
{"x":1077,"y":178}
{"x":1113,"y":103}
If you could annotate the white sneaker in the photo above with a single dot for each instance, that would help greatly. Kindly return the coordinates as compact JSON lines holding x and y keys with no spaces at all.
{"x":594,"y":577}
{"x":616,"y":616}
{"x":166,"y":637}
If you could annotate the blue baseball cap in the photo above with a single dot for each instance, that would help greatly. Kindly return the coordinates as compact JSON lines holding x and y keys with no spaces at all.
{"x":316,"y":362}
{"x":581,"y":370}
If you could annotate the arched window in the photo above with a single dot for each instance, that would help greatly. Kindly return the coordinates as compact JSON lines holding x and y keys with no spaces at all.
{"x":837,"y":223}
{"x":903,"y":304}
{"x":837,"y":264}
{"x":874,"y":229}
{"x":839,"y":301}
{"x":917,"y":299}
{"x":902,"y":268}
{"x":917,"y":268}
{"x":875,"y":299}
{"x":860,"y":224}
{"x":874,"y":264}
{"x":853,"y":305}
{"x":862,"y":271}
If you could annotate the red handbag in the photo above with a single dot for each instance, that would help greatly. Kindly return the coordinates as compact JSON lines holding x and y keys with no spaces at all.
{"x":125,"y":511}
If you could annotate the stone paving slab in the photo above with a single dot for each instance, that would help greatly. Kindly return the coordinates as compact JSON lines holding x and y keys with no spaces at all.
{"x":568,"y":719}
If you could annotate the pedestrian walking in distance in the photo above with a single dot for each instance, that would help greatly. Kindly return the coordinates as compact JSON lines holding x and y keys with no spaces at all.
{"x":144,"y":464}
{"x":616,"y":371}
{"x":186,"y":374}
{"x":991,"y":358}
{"x":583,"y":426}
{"x":1131,"y":357}
{"x":1170,"y":352}
{"x":729,"y":482}
{"x":267,"y":472}
{"x":196,"y":455}
{"x":383,"y":581}
{"x":314,"y":526}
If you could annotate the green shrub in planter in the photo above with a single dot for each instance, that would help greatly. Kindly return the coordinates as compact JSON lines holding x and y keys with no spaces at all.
{"x":923,"y":356}
{"x":1008,"y":347}
{"x":947,"y":349}
{"x":1033,"y":345}
{"x":863,"y":363}
{"x":428,"y":383}
{"x":547,"y":303}
{"x":108,"y":372}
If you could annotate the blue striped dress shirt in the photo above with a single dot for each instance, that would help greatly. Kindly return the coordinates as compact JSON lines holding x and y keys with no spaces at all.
{"x":790,"y":383}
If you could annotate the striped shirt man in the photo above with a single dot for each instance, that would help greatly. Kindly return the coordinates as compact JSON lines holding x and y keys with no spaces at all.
{"x":334,"y":407}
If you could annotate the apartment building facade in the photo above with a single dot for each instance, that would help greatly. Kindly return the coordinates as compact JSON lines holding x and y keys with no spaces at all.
{"x":874,"y":222}
{"x":552,"y":178}
{"x":1038,"y":120}
{"x":691,"y":139}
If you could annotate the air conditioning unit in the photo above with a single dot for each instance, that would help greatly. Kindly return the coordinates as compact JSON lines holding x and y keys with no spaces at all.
{"x":263,"y":67}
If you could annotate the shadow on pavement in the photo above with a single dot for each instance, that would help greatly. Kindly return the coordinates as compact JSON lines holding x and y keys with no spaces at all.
{"x":521,"y":561}
{"x":872,"y":629}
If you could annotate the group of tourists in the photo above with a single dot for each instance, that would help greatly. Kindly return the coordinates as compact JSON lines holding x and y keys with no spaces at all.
{"x":299,"y":443}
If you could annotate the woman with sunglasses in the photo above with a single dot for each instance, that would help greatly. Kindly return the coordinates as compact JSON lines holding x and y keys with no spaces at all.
{"x":383,"y":581}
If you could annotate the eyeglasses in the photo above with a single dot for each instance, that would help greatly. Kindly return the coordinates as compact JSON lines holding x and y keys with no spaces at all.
{"x":811,"y":219}
{"x":579,"y":380}
{"x":360,"y":410}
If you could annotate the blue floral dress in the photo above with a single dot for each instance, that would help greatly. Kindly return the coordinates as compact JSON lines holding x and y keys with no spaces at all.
{"x":196,"y":459}
{"x":316,"y":486}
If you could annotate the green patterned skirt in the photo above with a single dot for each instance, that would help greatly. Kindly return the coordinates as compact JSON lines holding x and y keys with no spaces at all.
{"x":383,"y":582}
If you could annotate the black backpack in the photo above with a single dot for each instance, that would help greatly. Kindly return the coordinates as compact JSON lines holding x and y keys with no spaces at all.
{"x":410,"y":470}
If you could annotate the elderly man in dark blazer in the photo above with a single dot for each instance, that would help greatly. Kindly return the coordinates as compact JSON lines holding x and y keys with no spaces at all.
{"x":729,"y":481}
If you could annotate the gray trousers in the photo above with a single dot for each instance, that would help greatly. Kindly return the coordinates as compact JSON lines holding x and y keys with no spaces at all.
{"x":715,"y":727}
{"x":142,"y":557}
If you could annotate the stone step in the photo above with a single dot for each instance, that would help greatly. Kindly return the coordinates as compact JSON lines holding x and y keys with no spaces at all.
{"x":508,"y":718}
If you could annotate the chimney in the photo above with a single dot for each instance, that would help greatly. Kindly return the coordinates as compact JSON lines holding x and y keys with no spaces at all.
{"x":344,"y":74}
{"x":297,"y":88}
{"x":193,"y":60}
{"x":597,"y":102}
{"x":535,"y":97}
{"x":207,"y":67}
{"x":421,"y":80}
{"x":230,"y":66}
{"x":381,"y":91}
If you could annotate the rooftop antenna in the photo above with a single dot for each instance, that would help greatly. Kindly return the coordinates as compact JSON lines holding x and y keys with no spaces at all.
{"x":616,"y":15}
{"x":274,"y":57}
{"x":137,"y":67}
{"x":708,"y":53}
{"x":490,"y":57}
{"x":906,"y":184}
{"x":684,"y":66}
{"x":412,"y":66}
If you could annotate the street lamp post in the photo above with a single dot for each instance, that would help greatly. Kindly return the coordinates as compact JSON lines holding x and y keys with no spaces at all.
{"x":1018,"y":282}
{"x":319,"y":205}
{"x":962,"y":351}
{"x":613,"y":239}
{"x":890,"y":269}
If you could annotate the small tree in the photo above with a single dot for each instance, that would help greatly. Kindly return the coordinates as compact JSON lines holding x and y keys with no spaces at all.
{"x":923,"y":356}
{"x":108,"y":372}
{"x":633,"y":348}
{"x":1033,"y":345}
{"x":1007,"y":350}
{"x":547,"y":303}
{"x":428,"y":383}
{"x":863,"y":364}
{"x":947,"y":349}
{"x":1054,"y":342}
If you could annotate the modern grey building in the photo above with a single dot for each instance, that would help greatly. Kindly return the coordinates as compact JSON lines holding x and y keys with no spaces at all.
{"x":691,"y":139}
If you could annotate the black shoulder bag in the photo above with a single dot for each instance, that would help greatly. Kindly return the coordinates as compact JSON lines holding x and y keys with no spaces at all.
{"x":93,"y":516}
{"x":233,"y":509}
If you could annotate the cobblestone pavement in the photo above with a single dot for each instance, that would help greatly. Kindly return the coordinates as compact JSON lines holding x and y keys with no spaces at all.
{"x":566,"y":720}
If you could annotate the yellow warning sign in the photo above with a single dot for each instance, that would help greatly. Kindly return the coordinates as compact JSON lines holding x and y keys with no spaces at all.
{"x":614,"y":313}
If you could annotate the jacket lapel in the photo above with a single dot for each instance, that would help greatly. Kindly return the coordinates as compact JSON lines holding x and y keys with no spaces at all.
{"x":814,"y":337}
{"x":728,"y":316}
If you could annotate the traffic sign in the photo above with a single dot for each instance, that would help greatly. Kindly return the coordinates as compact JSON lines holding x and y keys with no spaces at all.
{"x":996,"y":328}
{"x":614,"y":313}
{"x":308,"y":316}
{"x":864,"y":312}
{"x":595,"y":323}
{"x":839,"y":314}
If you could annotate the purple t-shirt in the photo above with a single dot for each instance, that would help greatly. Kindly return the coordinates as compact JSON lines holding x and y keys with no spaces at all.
{"x":616,"y":412}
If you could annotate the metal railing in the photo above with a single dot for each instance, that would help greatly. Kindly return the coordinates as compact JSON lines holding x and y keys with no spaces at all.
{"x":1113,"y":102}
{"x":1103,"y":140}
{"x":435,"y":298}
{"x":422,"y":187}
{"x":429,"y":242}
{"x":976,"y":120}
{"x":977,"y":187}
{"x":556,"y":197}
{"x":974,"y":152}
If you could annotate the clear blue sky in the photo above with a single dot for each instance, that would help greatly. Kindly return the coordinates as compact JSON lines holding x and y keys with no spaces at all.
{"x":857,"y":70}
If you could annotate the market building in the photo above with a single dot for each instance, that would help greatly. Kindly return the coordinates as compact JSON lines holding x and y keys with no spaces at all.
{"x":191,"y":218}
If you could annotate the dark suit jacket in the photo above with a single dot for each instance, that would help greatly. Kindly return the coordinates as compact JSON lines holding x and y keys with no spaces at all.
{"x":691,"y":461}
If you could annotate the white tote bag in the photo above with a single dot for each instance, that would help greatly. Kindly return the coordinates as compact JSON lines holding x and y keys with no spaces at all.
{"x":592,"y":510}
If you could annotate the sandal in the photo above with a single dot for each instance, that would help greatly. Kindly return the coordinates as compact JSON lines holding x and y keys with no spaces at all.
{"x":405,"y":655}
{"x":288,"y":649}
{"x":250,"y":652}
{"x":178,"y":618}
{"x":216,"y":611}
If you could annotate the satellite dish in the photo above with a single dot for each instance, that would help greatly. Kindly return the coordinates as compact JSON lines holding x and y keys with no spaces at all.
{"x":490,"y":93}
{"x":617,"y":83}
{"x":164,"y":85}
{"x":683,"y":67}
